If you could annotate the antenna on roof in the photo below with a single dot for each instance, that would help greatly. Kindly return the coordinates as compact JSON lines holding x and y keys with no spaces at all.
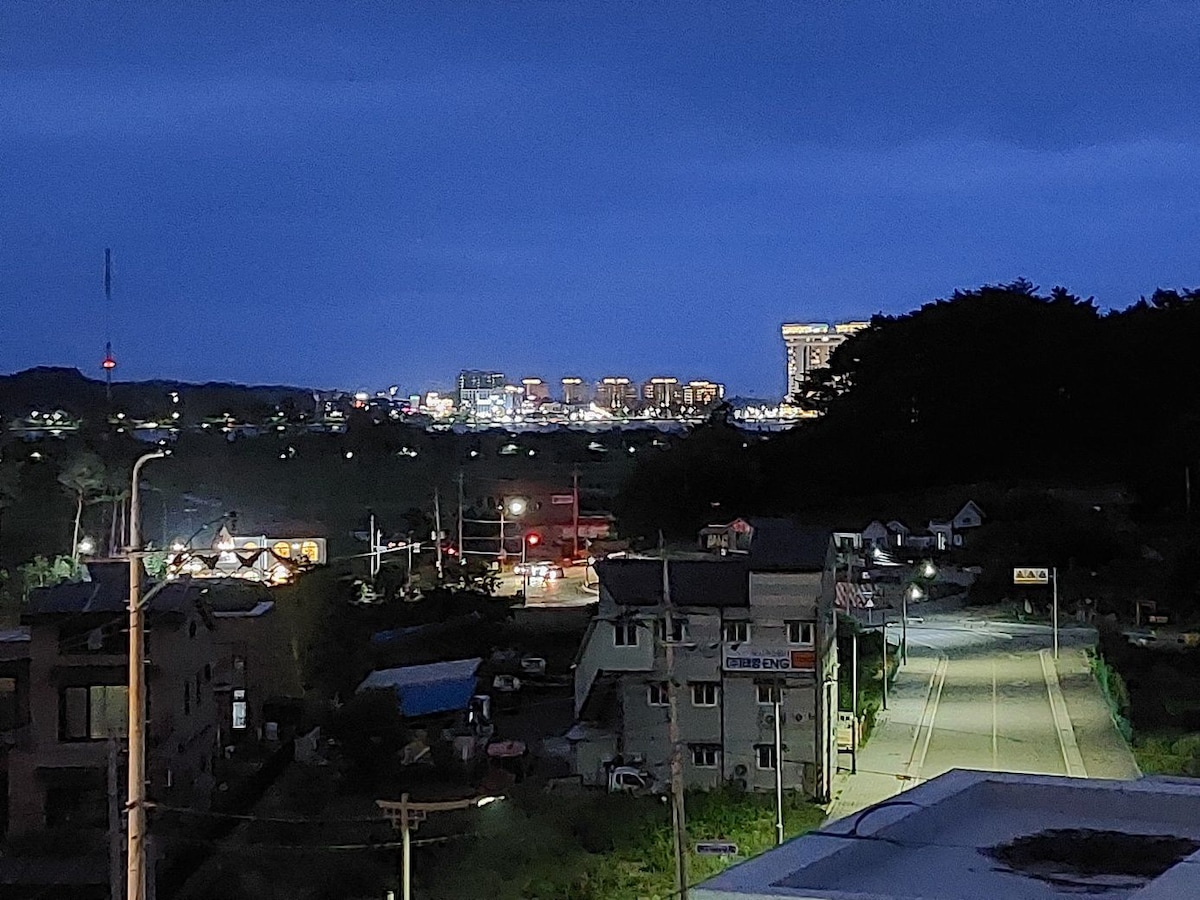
{"x":109,"y":362}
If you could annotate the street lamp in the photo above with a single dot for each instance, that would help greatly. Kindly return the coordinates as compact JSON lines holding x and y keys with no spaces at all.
{"x":515,"y":507}
{"x":85,"y":547}
{"x":136,"y":841}
{"x":915,"y":593}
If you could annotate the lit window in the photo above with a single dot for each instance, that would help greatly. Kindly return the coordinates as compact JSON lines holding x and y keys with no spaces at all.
{"x":764,"y":756}
{"x":768,"y":694}
{"x":799,"y":632}
{"x":704,"y":693}
{"x":282,"y":549}
{"x":735,"y":632}
{"x":310,"y":551}
{"x":625,"y":634}
{"x":656,"y":694}
{"x":705,"y":756}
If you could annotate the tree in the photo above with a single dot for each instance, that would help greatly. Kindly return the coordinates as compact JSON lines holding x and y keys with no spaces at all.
{"x":84,"y":479}
{"x":10,"y":486}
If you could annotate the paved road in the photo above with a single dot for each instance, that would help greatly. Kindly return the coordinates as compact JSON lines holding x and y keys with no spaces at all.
{"x":567,"y":591}
{"x":984,"y":695}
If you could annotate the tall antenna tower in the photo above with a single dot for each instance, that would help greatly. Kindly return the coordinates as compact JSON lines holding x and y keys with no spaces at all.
{"x":109,"y":363}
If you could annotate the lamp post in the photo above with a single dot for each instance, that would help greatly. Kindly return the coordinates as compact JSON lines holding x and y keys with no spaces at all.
{"x":135,"y":869}
{"x":514,"y":507}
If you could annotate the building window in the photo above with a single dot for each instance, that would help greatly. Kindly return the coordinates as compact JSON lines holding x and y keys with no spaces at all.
{"x":735,"y":632}
{"x":656,"y":693}
{"x":93,"y":713}
{"x":678,"y":630}
{"x":625,"y":634}
{"x":706,"y":756}
{"x":764,"y":756}
{"x":799,"y":632}
{"x":704,"y":693}
{"x":768,"y":694}
{"x":239,"y":710}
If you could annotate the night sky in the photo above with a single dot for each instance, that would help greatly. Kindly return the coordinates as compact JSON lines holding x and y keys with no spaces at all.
{"x":358,"y":195}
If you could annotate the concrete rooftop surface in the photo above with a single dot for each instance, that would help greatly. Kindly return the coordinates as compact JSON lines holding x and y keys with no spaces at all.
{"x":970,"y":834}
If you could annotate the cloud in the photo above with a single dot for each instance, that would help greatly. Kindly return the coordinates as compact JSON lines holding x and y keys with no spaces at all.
{"x":955,"y":168}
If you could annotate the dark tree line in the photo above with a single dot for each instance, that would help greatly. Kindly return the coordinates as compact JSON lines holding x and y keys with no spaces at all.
{"x":1002,"y":383}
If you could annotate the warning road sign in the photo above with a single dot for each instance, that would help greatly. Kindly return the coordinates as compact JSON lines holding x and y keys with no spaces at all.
{"x":1031,"y":575}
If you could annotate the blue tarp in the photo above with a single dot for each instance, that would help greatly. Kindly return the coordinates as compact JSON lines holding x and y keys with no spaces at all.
{"x":433,"y":688}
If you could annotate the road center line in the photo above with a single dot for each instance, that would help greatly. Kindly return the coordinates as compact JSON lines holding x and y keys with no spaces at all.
{"x":940,"y":675}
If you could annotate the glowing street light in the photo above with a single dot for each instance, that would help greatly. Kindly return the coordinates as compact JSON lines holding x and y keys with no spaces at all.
{"x":86,"y":546}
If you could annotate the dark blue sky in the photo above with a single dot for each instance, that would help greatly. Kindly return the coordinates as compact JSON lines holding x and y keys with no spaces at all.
{"x":364,"y":194}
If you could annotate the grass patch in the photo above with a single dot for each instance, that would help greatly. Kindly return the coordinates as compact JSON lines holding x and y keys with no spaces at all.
{"x":599,"y":847}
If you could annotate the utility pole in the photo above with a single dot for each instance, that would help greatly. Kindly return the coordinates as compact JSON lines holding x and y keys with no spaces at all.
{"x":462,"y":557}
{"x":136,"y":850}
{"x":885,"y":664}
{"x":437,"y":528}
{"x":1187,"y":490}
{"x":115,"y":839}
{"x":678,"y":817}
{"x":374,"y":548}
{"x":408,"y":571}
{"x":575,"y":510}
{"x":407,"y":815}
{"x":778,"y":763}
{"x":854,"y":703}
{"x":1054,"y":578}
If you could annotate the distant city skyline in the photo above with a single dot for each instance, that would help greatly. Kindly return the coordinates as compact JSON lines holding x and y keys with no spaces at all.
{"x":348,"y":195}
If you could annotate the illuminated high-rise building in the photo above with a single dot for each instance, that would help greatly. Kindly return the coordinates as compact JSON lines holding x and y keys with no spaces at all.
{"x":536,"y":390}
{"x":810,"y":346}
{"x":616,"y":392}
{"x":574,"y":391}
{"x":662,"y":392}
{"x":702,"y":393}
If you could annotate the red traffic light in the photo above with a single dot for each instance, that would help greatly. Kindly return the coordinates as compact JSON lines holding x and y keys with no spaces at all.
{"x":533,"y":539}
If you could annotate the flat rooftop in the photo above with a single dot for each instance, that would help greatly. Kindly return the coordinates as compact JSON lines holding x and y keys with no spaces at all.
{"x":998,"y":836}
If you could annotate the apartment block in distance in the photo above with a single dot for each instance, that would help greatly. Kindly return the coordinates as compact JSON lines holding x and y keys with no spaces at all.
{"x":574,"y":391}
{"x":810,"y":346}
{"x":752,"y":624}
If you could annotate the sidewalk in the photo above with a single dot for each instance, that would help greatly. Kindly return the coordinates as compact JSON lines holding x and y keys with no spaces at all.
{"x":883,"y":762}
{"x":1105,"y":753}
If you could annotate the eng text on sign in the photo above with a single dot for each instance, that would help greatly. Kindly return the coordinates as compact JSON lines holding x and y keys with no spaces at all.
{"x":1031,"y":575}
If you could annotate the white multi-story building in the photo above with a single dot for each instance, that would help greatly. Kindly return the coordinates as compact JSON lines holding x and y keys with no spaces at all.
{"x":747,"y":629}
{"x":810,"y":346}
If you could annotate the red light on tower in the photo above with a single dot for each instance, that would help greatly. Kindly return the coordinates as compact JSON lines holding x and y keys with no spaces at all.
{"x":533,"y":539}
{"x":109,"y":363}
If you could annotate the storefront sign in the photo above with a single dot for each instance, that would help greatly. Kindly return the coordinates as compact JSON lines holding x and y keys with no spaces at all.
{"x":769,"y":661}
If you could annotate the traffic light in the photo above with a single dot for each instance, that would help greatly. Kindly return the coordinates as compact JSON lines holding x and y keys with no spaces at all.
{"x":533,"y":539}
